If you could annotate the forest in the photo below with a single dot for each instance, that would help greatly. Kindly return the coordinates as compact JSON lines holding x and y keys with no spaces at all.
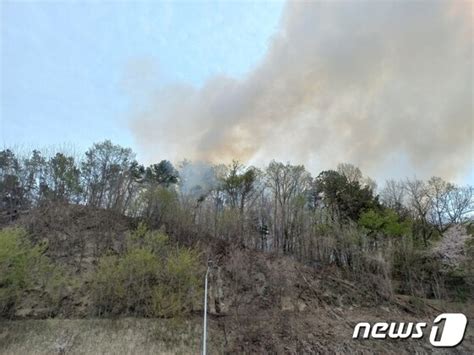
{"x":338,"y":217}
{"x":101,"y":235}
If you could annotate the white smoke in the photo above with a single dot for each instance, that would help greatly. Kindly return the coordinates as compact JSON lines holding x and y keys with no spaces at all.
{"x":368,"y":82}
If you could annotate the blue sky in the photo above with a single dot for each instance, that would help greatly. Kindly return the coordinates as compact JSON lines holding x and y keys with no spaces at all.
{"x":67,"y":66}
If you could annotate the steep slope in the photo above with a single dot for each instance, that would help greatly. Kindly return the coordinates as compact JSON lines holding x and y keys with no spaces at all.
{"x":258,"y":302}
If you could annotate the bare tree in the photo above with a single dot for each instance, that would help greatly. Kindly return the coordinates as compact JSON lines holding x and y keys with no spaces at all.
{"x":393,"y":194}
{"x":460,"y":203}
{"x":420,"y":203}
{"x":351,"y":172}
{"x":287,"y":183}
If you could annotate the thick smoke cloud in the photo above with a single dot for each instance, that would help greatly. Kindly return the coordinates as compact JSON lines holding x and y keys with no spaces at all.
{"x":372,"y":83}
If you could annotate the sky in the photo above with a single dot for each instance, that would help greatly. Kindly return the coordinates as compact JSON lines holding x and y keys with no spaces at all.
{"x":69,"y":69}
{"x":386,"y":85}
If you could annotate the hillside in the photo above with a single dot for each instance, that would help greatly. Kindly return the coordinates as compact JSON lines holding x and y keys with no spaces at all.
{"x":259,"y":302}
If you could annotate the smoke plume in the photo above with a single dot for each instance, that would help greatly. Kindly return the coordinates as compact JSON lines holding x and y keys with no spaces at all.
{"x":378,"y":84}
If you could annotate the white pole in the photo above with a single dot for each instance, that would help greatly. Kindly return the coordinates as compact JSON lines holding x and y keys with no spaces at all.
{"x":204,"y":336}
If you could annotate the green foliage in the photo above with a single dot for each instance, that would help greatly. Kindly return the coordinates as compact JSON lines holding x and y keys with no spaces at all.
{"x":120,"y":285}
{"x":152,"y":278}
{"x":158,"y":205}
{"x":108,"y":168}
{"x":344,"y":198}
{"x":23,"y":266}
{"x":65,"y":178}
{"x":155,"y":241}
{"x":238,"y":182}
{"x":180,"y":283}
{"x":386,"y":222}
{"x":162,"y":173}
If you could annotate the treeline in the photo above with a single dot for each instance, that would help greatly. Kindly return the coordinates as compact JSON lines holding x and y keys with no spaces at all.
{"x":337,"y":217}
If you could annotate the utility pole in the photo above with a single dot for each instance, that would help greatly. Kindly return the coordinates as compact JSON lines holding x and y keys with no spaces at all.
{"x":204,"y":330}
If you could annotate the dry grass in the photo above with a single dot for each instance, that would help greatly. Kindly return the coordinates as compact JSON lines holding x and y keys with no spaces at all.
{"x":101,"y":336}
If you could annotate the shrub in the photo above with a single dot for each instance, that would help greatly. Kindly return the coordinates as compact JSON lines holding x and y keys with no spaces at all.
{"x":180,"y":283}
{"x":23,"y":266}
{"x":121,"y":285}
{"x":151,"y":278}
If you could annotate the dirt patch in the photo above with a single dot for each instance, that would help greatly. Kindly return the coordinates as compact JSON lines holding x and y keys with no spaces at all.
{"x":77,"y":235}
{"x":273,"y":304}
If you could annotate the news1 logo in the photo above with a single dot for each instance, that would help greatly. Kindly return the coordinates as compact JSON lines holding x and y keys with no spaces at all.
{"x":450,"y":335}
